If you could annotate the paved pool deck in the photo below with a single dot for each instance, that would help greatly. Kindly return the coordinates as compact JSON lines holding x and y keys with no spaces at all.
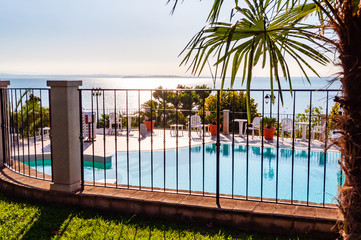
{"x":164,"y":139}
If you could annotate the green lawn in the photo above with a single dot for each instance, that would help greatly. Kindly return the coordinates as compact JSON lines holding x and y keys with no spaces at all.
{"x":21,"y":220}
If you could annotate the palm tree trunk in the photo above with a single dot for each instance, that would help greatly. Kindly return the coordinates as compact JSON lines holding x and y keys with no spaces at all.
{"x":349,"y":47}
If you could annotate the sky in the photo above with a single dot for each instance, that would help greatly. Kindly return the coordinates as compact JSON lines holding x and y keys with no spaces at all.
{"x":115,"y":37}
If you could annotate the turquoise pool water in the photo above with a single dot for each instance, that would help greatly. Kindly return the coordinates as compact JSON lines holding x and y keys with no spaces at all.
{"x":198,"y":174}
{"x":191,"y":175}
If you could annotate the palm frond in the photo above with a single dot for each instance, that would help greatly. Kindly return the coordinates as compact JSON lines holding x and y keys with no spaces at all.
{"x":257,"y":38}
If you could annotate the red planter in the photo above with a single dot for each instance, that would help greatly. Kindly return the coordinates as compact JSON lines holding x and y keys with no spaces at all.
{"x":147,"y":124}
{"x":268,"y":133}
{"x":213,"y":129}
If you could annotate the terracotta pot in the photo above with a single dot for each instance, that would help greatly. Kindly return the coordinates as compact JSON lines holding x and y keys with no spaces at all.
{"x":213,"y":129}
{"x":268,"y":133}
{"x":147,"y":124}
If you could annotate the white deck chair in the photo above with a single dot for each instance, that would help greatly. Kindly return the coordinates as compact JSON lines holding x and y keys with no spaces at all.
{"x":286,"y":126}
{"x":256,"y":125}
{"x":321,"y":129}
{"x":195,"y":123}
{"x":114,"y":118}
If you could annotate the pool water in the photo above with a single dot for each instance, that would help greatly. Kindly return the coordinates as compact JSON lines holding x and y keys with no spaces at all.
{"x":196,"y":173}
{"x":186,"y":169}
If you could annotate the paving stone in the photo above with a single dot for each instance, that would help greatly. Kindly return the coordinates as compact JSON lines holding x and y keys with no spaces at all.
{"x":264,"y":208}
{"x":174,"y":198}
{"x":326,"y":213}
{"x":157,"y":196}
{"x":245,"y":206}
{"x":303,"y":211}
{"x":208,"y":202}
{"x":228,"y":203}
{"x":191,"y":200}
{"x":283,"y":209}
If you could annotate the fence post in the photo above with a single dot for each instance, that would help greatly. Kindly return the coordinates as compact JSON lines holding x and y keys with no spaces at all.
{"x":65,"y":132}
{"x":4,"y":133}
{"x":225,"y":121}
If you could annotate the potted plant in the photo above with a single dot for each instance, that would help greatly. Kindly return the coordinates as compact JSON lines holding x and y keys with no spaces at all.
{"x":211,"y":118}
{"x":149,"y":114}
{"x":148,"y":120}
{"x":268,"y":127}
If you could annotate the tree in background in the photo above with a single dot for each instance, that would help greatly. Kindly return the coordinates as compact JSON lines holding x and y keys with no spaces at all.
{"x":305,"y":117}
{"x":167,"y":102}
{"x":235,"y":101}
{"x":29,"y":115}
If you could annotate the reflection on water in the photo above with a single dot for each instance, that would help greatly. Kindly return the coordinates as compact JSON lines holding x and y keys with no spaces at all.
{"x":253,"y":176}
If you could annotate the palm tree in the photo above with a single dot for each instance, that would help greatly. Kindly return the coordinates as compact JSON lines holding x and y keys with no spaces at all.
{"x":267,"y":31}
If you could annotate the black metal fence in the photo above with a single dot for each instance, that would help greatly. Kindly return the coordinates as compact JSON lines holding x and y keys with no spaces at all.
{"x":171,"y":153}
{"x":26,"y":131}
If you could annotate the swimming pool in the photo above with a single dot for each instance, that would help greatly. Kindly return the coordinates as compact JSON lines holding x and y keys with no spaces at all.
{"x":186,"y":169}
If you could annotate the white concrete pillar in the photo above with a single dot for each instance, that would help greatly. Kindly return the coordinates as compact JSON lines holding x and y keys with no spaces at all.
{"x":4,"y":121}
{"x":225,"y":121}
{"x":65,"y":132}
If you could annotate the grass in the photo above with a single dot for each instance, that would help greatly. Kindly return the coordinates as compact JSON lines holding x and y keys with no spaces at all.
{"x":23,"y":220}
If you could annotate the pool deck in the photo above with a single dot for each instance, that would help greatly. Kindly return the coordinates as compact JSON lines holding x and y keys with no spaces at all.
{"x":160,"y":139}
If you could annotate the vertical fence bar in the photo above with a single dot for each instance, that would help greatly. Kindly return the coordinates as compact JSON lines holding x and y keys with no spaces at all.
{"x":139,"y":146}
{"x":309,"y":150}
{"x":164,"y":142}
{"x":28,"y":129}
{"x":7,"y":123}
{"x":218,"y":149}
{"x":4,"y":98}
{"x":93,"y":147}
{"x":325,"y":153}
{"x":278,"y":142}
{"x":12,"y":134}
{"x":50,"y":135}
{"x":262,"y":142}
{"x":81,"y":138}
{"x":104,"y":141}
{"x":247,"y":153}
{"x":116,"y":138}
{"x":3,"y":123}
{"x":190,"y":146}
{"x":233,"y":129}
{"x":129,"y":125}
{"x":42,"y":135}
{"x":22,"y":130}
{"x":293,"y":144}
{"x":203,"y":142}
{"x":151,"y":138}
{"x":176,"y":142}
{"x":34,"y":131}
{"x":17,"y":131}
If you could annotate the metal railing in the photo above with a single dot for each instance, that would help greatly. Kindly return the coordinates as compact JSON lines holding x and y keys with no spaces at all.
{"x":27,"y":124}
{"x":118,"y":152}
